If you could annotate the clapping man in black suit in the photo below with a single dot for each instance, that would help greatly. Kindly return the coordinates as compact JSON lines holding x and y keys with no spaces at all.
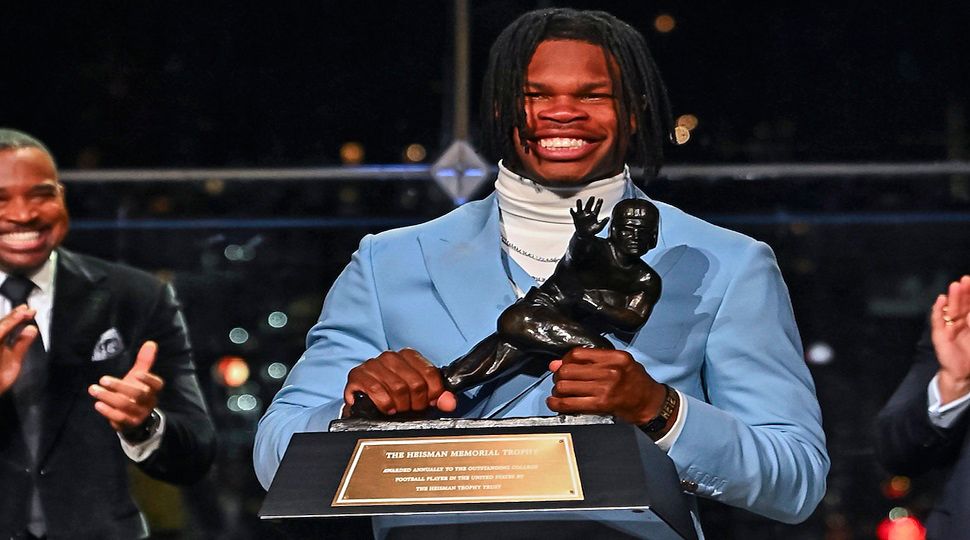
{"x":95,"y":371}
{"x":924,"y":426}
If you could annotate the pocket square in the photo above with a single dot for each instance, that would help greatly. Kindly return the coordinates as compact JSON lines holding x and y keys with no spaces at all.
{"x":109,"y":346}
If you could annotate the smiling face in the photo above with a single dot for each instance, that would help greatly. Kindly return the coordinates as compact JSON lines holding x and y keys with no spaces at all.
{"x":33,"y":215}
{"x":571,"y":116}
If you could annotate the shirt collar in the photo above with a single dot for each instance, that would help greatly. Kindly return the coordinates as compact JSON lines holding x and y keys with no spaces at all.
{"x":43,"y":277}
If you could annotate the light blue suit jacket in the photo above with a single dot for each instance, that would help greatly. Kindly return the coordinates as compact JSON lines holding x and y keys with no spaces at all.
{"x":723,"y":333}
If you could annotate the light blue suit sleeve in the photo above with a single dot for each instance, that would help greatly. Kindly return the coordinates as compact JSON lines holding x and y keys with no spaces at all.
{"x":349,"y":332}
{"x":758,"y":443}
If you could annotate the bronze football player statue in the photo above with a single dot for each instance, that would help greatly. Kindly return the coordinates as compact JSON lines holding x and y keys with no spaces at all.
{"x":600,"y":286}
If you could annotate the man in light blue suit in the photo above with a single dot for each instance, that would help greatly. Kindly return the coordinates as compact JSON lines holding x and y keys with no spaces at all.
{"x":716,"y":376}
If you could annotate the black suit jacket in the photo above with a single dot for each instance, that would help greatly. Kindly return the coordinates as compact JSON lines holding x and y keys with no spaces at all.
{"x":908,"y":443}
{"x":81,"y":470}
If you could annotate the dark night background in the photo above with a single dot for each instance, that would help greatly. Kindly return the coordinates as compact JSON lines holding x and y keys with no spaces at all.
{"x":166,"y":85}
{"x":163,"y":84}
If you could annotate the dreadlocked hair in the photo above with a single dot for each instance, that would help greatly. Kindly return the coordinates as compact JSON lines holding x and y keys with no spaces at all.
{"x":642,"y":94}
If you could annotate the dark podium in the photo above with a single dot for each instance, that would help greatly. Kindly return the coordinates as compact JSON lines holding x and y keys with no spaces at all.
{"x":617,"y":483}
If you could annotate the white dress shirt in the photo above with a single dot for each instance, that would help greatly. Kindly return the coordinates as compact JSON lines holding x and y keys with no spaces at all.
{"x":944,"y":416}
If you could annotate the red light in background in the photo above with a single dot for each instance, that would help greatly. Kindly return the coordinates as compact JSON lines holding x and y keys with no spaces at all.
{"x":904,"y":528}
{"x":896,"y":487}
{"x":232,"y":371}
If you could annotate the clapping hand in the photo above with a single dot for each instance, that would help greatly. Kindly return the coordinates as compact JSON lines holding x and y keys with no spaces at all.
{"x":13,"y":345}
{"x":951,"y":340}
{"x":127,"y":402}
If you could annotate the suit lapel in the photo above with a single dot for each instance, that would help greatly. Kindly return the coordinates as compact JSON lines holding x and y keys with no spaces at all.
{"x":80,"y":308}
{"x":465,"y":267}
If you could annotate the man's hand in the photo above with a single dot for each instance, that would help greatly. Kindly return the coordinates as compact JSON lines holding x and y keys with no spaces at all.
{"x":127,"y":402}
{"x":951,"y":340}
{"x":585,"y":219}
{"x":601,"y":381}
{"x":399,"y":382}
{"x":13,"y":347}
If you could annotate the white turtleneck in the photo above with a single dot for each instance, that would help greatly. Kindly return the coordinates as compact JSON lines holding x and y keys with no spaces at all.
{"x":535,"y":221}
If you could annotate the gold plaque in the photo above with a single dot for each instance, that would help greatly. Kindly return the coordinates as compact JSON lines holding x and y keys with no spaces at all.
{"x":465,"y":469}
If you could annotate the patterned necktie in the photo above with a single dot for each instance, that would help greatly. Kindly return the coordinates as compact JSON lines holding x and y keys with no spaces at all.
{"x":28,"y":394}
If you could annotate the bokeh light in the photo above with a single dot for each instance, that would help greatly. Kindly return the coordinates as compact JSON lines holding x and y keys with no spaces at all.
{"x":688,"y":121}
{"x":214,"y":186}
{"x":238,"y":335}
{"x":904,"y":528}
{"x":244,"y":403}
{"x":681,"y":135}
{"x":248,"y":402}
{"x":664,"y":23}
{"x":232,"y":371}
{"x":896,"y":487}
{"x":415,"y":153}
{"x":276,"y":370}
{"x":352,"y":153}
{"x":820,"y":353}
{"x":277,"y":319}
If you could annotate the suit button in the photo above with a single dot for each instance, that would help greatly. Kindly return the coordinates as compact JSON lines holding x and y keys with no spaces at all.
{"x":689,"y":486}
{"x":43,"y":472}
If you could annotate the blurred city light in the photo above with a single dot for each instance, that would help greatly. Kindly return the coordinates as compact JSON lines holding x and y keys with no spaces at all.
{"x":688,"y":121}
{"x":896,"y":487}
{"x":352,"y":153}
{"x":681,"y":135}
{"x":820,"y":353}
{"x":244,"y":404}
{"x":415,"y":153}
{"x":904,"y":528}
{"x":215,"y":186}
{"x":247,"y":402}
{"x":232,"y":403}
{"x":239,"y":253}
{"x":233,"y":252}
{"x":277,"y":319}
{"x":664,"y":23}
{"x":898,"y":512}
{"x":231,"y":371}
{"x":238,"y":335}
{"x":276,"y":370}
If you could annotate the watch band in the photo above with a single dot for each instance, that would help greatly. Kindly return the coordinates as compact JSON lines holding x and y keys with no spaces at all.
{"x":143,"y":431}
{"x":657,"y":423}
